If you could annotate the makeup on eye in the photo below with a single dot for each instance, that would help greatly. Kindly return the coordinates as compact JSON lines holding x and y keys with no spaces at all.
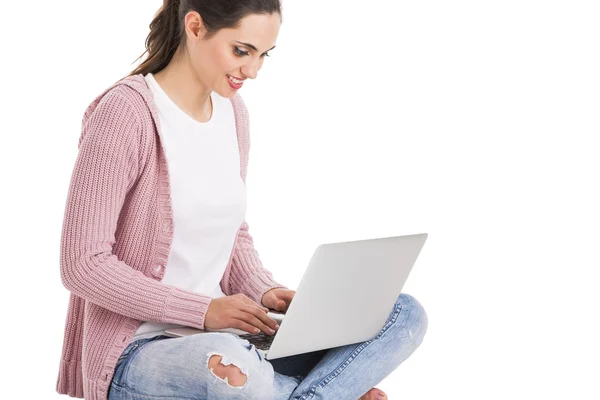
{"x":239,"y":52}
{"x":245,"y":53}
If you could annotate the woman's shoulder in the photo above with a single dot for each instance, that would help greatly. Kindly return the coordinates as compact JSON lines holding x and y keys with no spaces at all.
{"x":126,"y":95}
{"x":126,"y":105}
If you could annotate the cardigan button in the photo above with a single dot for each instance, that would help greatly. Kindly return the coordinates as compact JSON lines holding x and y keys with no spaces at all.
{"x":157,"y":270}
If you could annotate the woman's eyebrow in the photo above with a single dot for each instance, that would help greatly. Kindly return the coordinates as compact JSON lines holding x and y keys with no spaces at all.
{"x":252,"y":46}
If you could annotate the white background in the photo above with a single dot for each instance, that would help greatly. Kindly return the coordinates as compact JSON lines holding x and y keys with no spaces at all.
{"x":474,"y":121}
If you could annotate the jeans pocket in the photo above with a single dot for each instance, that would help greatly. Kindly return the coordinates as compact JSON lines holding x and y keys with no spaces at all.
{"x":135,"y":346}
{"x":132,"y":346}
{"x":124,"y":359}
{"x":118,"y":372}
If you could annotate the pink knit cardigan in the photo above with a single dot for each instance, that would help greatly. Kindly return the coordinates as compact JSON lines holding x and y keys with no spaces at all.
{"x":116,"y":236}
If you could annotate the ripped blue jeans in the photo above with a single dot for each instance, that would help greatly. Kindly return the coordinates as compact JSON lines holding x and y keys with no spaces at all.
{"x":163,"y":367}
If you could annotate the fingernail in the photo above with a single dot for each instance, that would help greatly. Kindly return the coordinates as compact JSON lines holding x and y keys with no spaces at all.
{"x":276,"y":326}
{"x":270,"y":330}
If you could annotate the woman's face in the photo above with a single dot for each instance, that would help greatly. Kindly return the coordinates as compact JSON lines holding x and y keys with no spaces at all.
{"x":230,"y":52}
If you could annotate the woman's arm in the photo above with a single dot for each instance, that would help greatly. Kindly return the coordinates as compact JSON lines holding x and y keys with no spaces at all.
{"x":248,"y":276}
{"x":105,"y":169}
{"x":245,"y":274}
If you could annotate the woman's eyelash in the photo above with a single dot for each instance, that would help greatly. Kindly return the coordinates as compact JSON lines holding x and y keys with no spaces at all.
{"x":245,"y":53}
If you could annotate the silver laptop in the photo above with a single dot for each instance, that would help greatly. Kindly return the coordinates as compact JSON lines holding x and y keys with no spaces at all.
{"x":344,"y":297}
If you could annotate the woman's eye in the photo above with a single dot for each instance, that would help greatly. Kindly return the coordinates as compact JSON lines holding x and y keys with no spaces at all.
{"x":245,"y":53}
{"x":241,"y":53}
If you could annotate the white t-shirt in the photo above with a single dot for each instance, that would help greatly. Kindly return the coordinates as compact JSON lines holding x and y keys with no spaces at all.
{"x":208,"y":196}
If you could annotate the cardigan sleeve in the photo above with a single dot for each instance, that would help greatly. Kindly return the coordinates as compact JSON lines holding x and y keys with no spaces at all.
{"x":105,"y":169}
{"x":248,"y":276}
{"x":245,"y":273}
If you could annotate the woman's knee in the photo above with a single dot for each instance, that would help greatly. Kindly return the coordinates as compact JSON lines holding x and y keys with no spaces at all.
{"x":220,"y":360}
{"x":237,"y":365}
{"x":230,"y":373}
{"x":417,"y":320}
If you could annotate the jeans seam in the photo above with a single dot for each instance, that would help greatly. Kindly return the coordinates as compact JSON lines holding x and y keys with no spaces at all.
{"x":391,"y":321}
{"x":332,"y":375}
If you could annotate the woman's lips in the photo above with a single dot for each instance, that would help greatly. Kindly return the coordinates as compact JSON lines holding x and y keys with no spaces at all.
{"x":234,"y":85}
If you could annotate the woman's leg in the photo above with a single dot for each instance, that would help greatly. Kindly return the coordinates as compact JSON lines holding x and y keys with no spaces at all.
{"x":210,"y":365}
{"x":217,"y":365}
{"x":295,"y":367}
{"x":348,"y":372}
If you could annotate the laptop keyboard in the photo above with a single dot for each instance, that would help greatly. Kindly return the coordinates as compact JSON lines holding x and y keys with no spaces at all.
{"x":260,"y":340}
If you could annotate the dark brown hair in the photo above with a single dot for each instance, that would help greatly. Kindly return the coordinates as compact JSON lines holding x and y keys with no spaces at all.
{"x":167,"y":31}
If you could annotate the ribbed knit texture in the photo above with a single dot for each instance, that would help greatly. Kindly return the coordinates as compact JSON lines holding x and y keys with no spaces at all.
{"x":116,"y":237}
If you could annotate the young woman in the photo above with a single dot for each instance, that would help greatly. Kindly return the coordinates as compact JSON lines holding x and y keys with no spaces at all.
{"x":154,"y":233}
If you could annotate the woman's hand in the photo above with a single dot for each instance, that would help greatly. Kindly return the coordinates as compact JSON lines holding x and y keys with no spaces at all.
{"x":239,"y":312}
{"x":278,"y":299}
